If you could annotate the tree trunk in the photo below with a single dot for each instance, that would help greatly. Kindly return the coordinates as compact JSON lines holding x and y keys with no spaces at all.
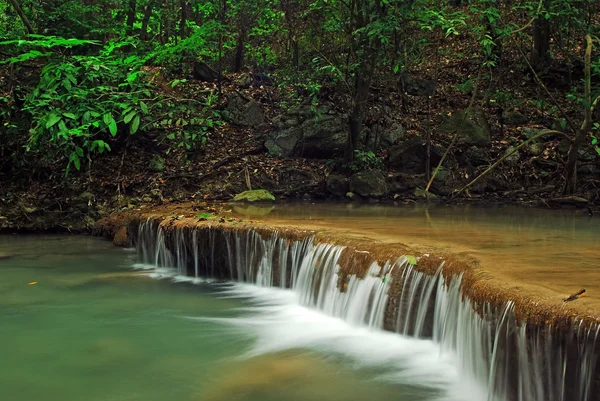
{"x":581,"y":134}
{"x":540,"y":54}
{"x":183,"y":21}
{"x":147,"y":14}
{"x":362,"y":81}
{"x":238,"y":61}
{"x":131,"y":16}
{"x":23,"y":17}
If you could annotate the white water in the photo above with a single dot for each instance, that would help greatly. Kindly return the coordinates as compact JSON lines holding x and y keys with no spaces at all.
{"x":466,"y":357}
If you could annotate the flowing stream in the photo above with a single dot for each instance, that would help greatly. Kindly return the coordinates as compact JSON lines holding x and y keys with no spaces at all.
{"x":263,"y":320}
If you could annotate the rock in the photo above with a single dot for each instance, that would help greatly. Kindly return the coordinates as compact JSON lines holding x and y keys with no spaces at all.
{"x":420,"y":193}
{"x":473,"y":128}
{"x":352,"y":196}
{"x":256,"y":195}
{"x":337,"y":185}
{"x":157,"y":164}
{"x":320,"y":136}
{"x":475,"y":157}
{"x":244,"y":81}
{"x":121,"y":238}
{"x":514,"y":117}
{"x":416,"y":86}
{"x":383,"y":138}
{"x":306,"y":198}
{"x":204,"y":72}
{"x":536,"y":149}
{"x":442,"y":175}
{"x":242,"y":112}
{"x":368,"y":183}
{"x":514,"y":158}
{"x":410,"y":156}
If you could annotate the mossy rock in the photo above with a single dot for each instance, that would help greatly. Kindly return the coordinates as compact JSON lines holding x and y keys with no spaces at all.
{"x":256,"y":195}
{"x":471,"y":125}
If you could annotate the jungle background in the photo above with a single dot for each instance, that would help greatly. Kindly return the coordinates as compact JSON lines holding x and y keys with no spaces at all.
{"x":119,"y":104}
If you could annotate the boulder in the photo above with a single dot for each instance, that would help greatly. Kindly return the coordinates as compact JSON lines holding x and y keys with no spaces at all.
{"x":337,"y":185}
{"x":472,"y":127}
{"x":514,"y":117}
{"x":383,"y":138}
{"x":256,"y":195}
{"x":410,"y":156}
{"x":416,"y":86}
{"x":204,"y":72}
{"x":244,"y":81}
{"x":242,"y":112}
{"x":302,"y":134}
{"x":368,"y":183}
{"x":513,"y":158}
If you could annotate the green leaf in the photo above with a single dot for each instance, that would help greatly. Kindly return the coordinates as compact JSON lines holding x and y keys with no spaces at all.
{"x":411,"y":260}
{"x":112,"y":127}
{"x":135,"y":124}
{"x":67,"y":84}
{"x":129,"y":116}
{"x":52,"y":119}
{"x":107,"y":118}
{"x":144,"y":107}
{"x":70,"y":115}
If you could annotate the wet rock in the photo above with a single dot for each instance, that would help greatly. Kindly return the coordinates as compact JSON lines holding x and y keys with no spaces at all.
{"x":473,"y":127}
{"x":368,"y":183}
{"x":256,"y":195}
{"x":243,"y":112}
{"x":514,"y":157}
{"x":337,"y":185}
{"x":121,"y":238}
{"x":305,"y":134}
{"x":420,"y":193}
{"x":514,"y":117}
{"x":157,"y":164}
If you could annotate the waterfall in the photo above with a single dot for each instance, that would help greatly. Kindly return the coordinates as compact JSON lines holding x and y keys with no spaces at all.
{"x":514,"y":361}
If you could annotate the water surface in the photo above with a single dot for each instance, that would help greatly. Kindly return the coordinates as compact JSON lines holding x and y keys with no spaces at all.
{"x":77,"y":322}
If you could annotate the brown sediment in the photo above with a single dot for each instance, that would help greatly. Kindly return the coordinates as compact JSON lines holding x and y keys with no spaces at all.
{"x":538,"y":299}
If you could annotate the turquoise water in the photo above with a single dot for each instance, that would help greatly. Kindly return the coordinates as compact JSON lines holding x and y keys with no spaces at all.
{"x":78,"y":323}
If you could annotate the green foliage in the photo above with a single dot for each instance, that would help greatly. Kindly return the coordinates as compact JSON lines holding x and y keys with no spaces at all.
{"x":364,"y":161}
{"x":81,"y":101}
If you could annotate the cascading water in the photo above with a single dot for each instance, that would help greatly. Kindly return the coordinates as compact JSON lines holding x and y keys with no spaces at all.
{"x":513,"y":362}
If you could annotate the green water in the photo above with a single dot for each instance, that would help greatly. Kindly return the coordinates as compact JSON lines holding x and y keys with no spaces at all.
{"x":91,"y":328}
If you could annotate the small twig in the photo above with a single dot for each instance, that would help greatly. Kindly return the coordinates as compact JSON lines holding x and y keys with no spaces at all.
{"x":574,"y":296}
{"x":437,"y":169}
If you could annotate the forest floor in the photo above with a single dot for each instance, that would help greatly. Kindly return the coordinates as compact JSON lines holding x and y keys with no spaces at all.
{"x":145,"y":171}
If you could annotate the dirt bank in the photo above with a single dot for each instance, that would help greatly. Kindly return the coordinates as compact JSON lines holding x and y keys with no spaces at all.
{"x":493,"y":277}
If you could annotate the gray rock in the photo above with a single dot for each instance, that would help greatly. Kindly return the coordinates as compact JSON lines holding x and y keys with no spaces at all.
{"x":368,"y":183}
{"x":473,"y":127}
{"x":337,"y":185}
{"x":242,"y":112}
{"x":382,"y":138}
{"x":321,"y":137}
{"x":416,"y":86}
{"x":513,"y":158}
{"x":514,"y":117}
